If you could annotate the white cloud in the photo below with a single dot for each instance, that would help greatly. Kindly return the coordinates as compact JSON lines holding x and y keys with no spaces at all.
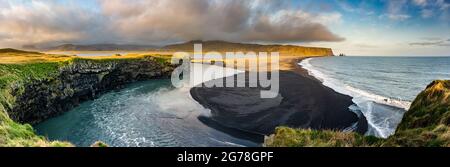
{"x":397,"y":17}
{"x":46,"y":22}
{"x":420,"y":2}
{"x":262,"y":20}
{"x":426,"y":13}
{"x":395,"y":10}
{"x":396,"y":6}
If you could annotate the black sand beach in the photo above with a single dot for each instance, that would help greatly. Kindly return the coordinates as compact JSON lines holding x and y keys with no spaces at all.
{"x":303,"y":102}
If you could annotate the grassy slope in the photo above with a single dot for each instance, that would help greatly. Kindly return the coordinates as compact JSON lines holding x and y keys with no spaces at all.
{"x":427,"y":123}
{"x":289,"y":137}
{"x":19,"y":67}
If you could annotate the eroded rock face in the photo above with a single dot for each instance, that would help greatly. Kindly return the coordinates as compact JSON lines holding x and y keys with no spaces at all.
{"x":79,"y":81}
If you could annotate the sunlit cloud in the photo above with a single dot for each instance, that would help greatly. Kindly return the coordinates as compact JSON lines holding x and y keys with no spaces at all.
{"x":161,"y":22}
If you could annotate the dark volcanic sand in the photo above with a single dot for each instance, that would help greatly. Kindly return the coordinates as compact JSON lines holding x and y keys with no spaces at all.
{"x":303,"y":102}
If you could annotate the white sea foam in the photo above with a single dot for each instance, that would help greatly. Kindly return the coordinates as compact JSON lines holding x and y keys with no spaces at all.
{"x":381,"y":122}
{"x":180,"y":102}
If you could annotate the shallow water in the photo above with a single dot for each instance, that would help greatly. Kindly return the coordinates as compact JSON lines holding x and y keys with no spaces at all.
{"x":382,"y":87}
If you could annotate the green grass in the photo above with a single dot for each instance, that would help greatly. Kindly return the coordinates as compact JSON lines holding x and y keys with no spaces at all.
{"x":13,"y":134}
{"x":16,"y":75}
{"x":163,"y":59}
{"x":289,"y":137}
{"x":432,"y":136}
{"x":18,"y":72}
{"x":99,"y":144}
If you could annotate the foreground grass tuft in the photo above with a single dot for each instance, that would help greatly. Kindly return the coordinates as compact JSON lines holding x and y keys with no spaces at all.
{"x":288,"y":137}
{"x":99,"y":144}
{"x":13,"y":134}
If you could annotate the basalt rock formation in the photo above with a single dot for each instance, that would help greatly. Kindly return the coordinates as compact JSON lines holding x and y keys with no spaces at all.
{"x":79,"y":81}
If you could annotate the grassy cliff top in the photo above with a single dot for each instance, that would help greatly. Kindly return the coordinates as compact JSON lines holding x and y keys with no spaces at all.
{"x":12,"y":56}
{"x":425,"y":124}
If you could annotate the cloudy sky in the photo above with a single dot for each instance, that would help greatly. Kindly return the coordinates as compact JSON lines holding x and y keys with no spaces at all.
{"x":367,"y":27}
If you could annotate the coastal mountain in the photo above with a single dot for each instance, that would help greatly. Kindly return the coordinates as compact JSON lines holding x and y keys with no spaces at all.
{"x":426,"y":123}
{"x":101,"y":47}
{"x":223,"y":46}
{"x":10,"y":50}
{"x":218,"y":46}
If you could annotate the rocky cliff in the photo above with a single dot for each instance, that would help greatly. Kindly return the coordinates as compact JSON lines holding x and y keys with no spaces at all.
{"x":79,"y":80}
{"x":425,"y":124}
{"x":33,"y":92}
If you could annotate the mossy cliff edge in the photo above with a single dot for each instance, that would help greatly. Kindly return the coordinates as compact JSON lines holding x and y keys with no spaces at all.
{"x":31,"y":92}
{"x":425,"y":124}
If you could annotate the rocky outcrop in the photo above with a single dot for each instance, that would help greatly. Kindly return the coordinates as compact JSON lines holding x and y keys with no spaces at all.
{"x":80,"y":80}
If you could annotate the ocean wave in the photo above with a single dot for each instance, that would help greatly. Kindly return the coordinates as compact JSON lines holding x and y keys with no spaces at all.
{"x":352,"y":91}
{"x":380,"y":125}
{"x":226,"y":142}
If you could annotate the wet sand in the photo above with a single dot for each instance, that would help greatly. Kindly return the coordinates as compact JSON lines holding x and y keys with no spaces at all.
{"x":303,"y":102}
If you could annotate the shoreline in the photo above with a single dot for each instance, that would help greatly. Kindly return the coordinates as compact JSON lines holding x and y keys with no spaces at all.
{"x":241,"y":108}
